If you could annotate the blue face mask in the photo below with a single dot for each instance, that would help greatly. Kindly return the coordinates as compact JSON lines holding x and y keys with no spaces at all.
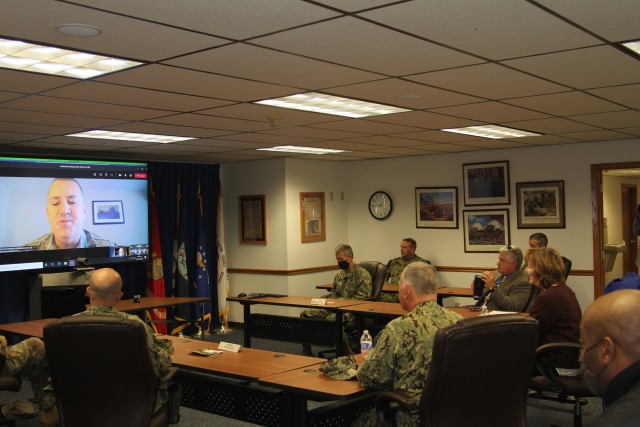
{"x":343,"y":264}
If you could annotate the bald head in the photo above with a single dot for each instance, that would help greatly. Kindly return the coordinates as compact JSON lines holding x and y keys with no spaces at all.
{"x":105,"y":287}
{"x":615,"y":315}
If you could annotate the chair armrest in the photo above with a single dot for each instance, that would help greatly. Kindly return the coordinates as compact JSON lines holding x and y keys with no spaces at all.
{"x":384,"y":399}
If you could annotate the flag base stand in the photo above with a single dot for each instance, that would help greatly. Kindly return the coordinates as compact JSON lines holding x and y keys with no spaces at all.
{"x":223,"y":330}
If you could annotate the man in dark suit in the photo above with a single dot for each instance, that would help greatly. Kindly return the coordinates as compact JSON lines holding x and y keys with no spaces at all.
{"x":507,"y":288}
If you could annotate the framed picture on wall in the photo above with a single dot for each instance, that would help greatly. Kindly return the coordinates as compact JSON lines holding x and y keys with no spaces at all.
{"x":540,"y":204}
{"x":312,"y":217}
{"x":436,"y":207}
{"x":253,"y":219}
{"x":486,"y":230}
{"x":108,"y":212}
{"x":486,"y":183}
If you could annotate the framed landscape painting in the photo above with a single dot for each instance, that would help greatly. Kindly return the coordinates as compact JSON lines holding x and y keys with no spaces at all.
{"x":436,"y":207}
{"x":540,"y":204}
{"x":486,"y":183}
{"x":486,"y":230}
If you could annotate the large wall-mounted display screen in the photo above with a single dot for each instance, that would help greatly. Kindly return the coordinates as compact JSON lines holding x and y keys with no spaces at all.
{"x":61,"y":214}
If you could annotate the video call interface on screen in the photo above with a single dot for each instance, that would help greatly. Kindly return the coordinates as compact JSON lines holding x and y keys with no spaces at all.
{"x":62,"y":215}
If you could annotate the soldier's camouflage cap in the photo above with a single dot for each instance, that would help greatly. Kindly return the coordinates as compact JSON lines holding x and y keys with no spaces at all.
{"x":340,"y":368}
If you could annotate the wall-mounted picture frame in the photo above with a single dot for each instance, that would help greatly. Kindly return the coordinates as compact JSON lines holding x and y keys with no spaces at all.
{"x":485,"y":230}
{"x":540,"y":204}
{"x":436,"y":207}
{"x":253,"y":219}
{"x":312,"y":218}
{"x":108,"y":212}
{"x":486,"y":183}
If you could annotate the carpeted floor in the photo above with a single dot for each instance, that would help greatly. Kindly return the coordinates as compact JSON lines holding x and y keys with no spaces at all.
{"x":540,"y":413}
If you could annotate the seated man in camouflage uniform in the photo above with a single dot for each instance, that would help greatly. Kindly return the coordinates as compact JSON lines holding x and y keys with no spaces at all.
{"x":396,"y":266}
{"x":66,"y":210}
{"x":26,"y":359}
{"x":104,"y":291}
{"x":402,"y":352}
{"x":351,"y":282}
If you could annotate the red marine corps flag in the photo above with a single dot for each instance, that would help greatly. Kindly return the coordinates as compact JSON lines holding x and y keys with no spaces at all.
{"x":155,"y":279}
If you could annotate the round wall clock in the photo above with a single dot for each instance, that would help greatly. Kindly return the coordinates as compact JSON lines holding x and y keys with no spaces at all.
{"x":380,"y":205}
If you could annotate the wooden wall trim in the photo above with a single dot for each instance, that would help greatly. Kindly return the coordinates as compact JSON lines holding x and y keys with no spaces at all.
{"x":283,"y":272}
{"x":450,"y":269}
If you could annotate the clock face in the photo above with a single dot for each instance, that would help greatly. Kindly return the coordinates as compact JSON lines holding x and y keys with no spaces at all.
{"x":380,"y":205}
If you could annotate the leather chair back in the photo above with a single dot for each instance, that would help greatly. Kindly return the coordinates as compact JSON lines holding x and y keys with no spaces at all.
{"x":101,"y":371}
{"x":378,"y":272}
{"x":479,"y":373}
{"x":567,"y":267}
{"x":535,"y":291}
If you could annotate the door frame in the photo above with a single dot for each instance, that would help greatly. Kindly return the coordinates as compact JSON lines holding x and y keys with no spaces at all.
{"x":597,"y":218}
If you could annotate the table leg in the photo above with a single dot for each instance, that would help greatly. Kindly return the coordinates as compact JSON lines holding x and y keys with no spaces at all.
{"x":339,"y":326}
{"x":247,"y":324}
{"x":297,"y":411}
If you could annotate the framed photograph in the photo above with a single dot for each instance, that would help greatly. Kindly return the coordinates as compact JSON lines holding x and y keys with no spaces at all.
{"x":486,"y":183}
{"x":540,"y":204}
{"x":486,"y":230}
{"x":436,"y":207}
{"x":312,"y":218}
{"x":108,"y":212}
{"x":253,"y":219}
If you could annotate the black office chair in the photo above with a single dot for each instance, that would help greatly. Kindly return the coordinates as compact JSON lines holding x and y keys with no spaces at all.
{"x":535,"y":291}
{"x":563,"y":389}
{"x":476,"y":364}
{"x":567,"y":267}
{"x":102,"y":373}
{"x":9,"y":383}
{"x":378,"y":272}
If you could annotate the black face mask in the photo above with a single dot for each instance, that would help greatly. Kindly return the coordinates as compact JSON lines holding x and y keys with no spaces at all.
{"x":343,"y":265}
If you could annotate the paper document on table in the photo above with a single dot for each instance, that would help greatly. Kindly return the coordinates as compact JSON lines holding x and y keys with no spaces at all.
{"x":207,"y":352}
{"x":500,"y":312}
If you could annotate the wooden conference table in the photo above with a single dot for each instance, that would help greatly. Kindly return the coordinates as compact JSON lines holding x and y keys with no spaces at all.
{"x":148,"y":303}
{"x":444,"y":292}
{"x":277,"y":385}
{"x":294,"y":301}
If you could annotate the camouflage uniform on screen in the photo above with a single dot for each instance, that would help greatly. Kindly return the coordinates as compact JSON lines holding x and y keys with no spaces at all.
{"x":354,"y":284}
{"x":394,"y":270}
{"x":158,"y":349}
{"x":87,"y":240}
{"x":402,"y":355}
{"x":27,"y":359}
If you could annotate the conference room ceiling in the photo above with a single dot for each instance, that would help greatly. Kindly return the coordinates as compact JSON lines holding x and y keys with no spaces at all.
{"x":546,"y":66}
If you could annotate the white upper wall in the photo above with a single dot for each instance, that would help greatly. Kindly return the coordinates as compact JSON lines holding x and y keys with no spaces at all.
{"x":349,"y":220}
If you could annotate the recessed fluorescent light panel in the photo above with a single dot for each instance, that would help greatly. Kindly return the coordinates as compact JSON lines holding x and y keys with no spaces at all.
{"x":301,"y":150}
{"x":633,"y":46}
{"x":18,"y":55}
{"x":327,"y":104}
{"x":492,"y":131}
{"x":127,"y":136}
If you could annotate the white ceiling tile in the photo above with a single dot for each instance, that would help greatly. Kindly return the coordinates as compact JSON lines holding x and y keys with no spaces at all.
{"x":616,"y":21}
{"x":491,"y":81}
{"x":565,"y":104}
{"x":584,"y":68}
{"x":496,"y":30}
{"x":348,"y":41}
{"x":390,"y":92}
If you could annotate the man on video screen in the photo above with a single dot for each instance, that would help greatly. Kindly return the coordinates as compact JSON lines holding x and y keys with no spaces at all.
{"x":66,"y":211}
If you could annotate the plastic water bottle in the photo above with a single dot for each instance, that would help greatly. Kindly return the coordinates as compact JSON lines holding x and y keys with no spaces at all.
{"x":366,"y":344}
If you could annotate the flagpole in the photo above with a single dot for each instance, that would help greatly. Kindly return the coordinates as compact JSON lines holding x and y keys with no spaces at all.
{"x":222,"y":286}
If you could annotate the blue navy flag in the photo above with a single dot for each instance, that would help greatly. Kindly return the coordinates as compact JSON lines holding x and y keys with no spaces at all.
{"x":202,"y":279}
